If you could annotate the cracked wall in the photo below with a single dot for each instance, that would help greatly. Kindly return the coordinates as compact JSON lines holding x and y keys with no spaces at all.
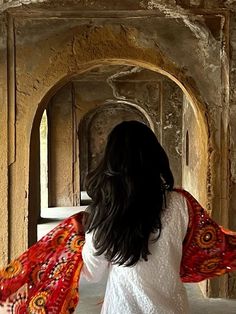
{"x":99,"y":100}
{"x":160,"y":101}
{"x":175,"y":5}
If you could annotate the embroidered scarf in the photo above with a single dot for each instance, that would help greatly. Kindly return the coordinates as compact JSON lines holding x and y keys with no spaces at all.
{"x":44,"y":279}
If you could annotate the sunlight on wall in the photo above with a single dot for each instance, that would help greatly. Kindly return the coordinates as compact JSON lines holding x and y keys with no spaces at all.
{"x":44,"y":160}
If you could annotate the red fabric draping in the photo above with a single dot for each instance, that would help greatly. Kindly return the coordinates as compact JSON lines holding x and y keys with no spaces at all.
{"x":209,"y":250}
{"x":44,"y":279}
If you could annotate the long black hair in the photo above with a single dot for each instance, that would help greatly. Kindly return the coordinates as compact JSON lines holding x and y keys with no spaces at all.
{"x":127,"y":190}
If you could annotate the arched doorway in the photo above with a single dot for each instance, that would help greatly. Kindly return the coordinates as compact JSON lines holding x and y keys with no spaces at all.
{"x":160,"y":103}
{"x":167,"y":106}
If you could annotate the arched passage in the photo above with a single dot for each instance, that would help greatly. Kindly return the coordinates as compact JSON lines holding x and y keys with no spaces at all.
{"x":75,"y":53}
{"x":90,"y":115}
{"x":197,"y":188}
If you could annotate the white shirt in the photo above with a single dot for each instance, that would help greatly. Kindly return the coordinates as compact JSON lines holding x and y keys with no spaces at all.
{"x":152,"y":287}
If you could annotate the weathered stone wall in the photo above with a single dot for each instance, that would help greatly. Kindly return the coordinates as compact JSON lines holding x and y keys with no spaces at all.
{"x":127,"y":4}
{"x":130,"y":93}
{"x":157,"y":98}
{"x":230,"y":125}
{"x":101,"y":124}
{"x":61,"y":136}
{"x":195,"y":162}
{"x":171,"y":132}
{"x":5,"y":159}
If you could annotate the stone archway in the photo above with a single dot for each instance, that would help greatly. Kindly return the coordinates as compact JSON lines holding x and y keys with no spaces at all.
{"x":79,"y":49}
{"x":34,"y":140}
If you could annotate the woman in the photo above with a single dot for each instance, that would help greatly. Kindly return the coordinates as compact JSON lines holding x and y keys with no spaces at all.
{"x":136,"y":226}
{"x":148,"y":236}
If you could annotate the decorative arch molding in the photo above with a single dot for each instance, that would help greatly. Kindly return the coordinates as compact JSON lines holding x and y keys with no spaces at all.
{"x":87,"y":47}
{"x":79,"y":54}
{"x":66,"y":74}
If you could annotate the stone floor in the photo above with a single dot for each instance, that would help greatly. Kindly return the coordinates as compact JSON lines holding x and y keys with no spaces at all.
{"x":92,"y":294}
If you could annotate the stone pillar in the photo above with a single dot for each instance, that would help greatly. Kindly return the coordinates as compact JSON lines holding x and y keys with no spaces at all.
{"x":232,"y":143}
{"x":4,"y":66}
{"x":61,"y":137}
{"x":172,"y":110}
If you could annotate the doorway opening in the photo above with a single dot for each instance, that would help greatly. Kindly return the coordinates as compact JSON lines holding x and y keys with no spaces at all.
{"x":43,"y":130}
{"x":80,"y":115}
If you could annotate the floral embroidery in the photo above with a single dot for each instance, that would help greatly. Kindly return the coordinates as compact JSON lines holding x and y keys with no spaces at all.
{"x":12,"y":270}
{"x":209,"y":265}
{"x":207,"y":237}
{"x":51,"y":286}
{"x":75,"y":242}
{"x":37,"y":303}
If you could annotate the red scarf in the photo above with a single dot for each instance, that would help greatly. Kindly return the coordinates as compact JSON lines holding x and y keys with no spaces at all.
{"x":45,"y":278}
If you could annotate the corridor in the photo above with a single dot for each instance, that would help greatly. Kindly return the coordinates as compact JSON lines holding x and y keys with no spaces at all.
{"x":92,"y":294}
{"x":70,"y":71}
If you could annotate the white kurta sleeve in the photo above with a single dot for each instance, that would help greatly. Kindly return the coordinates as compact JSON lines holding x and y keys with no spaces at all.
{"x":94,"y":266}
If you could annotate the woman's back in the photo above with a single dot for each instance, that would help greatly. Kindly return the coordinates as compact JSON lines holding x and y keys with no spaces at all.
{"x":151,"y":286}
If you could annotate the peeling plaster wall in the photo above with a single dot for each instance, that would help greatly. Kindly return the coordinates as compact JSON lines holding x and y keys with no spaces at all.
{"x":157,"y":96}
{"x":127,"y":4}
{"x":232,"y":140}
{"x":172,"y":111}
{"x":153,"y":96}
{"x":232,"y":124}
{"x":101,"y":125}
